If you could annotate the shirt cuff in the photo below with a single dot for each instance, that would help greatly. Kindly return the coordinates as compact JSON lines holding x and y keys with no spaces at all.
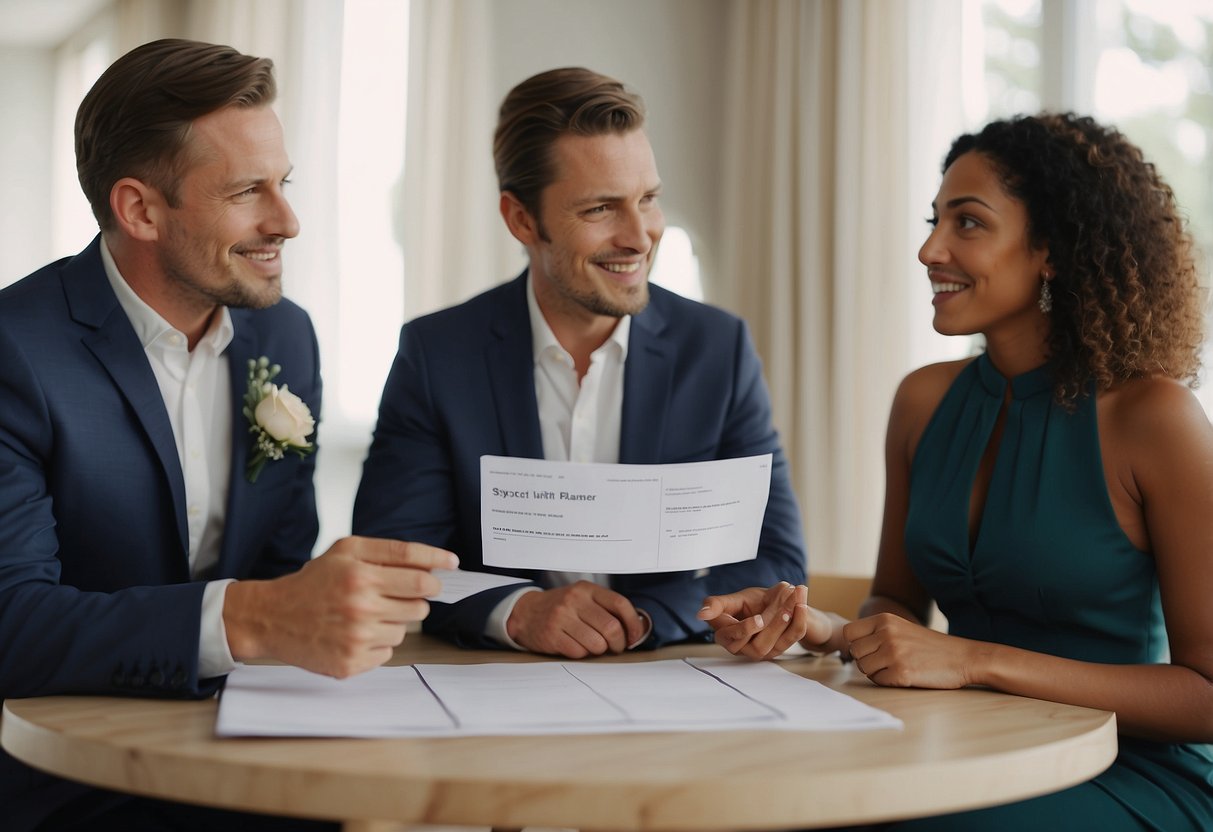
{"x":214,"y":655}
{"x":495,"y":627}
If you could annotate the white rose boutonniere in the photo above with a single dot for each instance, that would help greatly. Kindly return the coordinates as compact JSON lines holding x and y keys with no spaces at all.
{"x":278,"y":419}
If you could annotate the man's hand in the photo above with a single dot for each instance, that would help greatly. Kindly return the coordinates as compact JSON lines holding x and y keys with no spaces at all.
{"x":583,"y":619}
{"x":342,"y":613}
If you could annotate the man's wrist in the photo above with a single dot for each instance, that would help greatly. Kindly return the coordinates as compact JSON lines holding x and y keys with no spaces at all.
{"x":497,"y":626}
{"x":245,"y":629}
{"x":648,"y":629}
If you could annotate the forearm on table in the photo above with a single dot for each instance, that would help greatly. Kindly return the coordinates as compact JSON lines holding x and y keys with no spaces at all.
{"x":876,"y":604}
{"x":1164,"y":702}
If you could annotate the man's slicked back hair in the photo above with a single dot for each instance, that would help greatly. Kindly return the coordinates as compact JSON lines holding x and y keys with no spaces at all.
{"x":544,"y":107}
{"x":135,"y":121}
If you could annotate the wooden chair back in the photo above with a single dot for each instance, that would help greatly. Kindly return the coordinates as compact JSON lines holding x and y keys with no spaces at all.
{"x":839,"y":593}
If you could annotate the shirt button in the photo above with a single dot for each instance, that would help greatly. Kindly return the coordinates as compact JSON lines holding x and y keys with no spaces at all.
{"x":193,"y":511}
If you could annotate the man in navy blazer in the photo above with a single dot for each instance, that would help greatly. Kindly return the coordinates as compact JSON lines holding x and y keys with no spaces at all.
{"x":577,"y":359}
{"x":153,"y":534}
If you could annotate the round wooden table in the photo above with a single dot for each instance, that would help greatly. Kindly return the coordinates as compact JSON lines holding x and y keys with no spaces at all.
{"x":959,"y":750}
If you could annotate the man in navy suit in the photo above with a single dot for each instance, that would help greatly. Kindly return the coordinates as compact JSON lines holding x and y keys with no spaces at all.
{"x":153,"y":535}
{"x":577,"y":359}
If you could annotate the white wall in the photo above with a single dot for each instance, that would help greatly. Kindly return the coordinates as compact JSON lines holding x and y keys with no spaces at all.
{"x":26,"y":92}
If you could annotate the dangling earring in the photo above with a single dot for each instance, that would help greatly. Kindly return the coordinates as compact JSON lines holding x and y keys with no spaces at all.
{"x":1046,"y":296}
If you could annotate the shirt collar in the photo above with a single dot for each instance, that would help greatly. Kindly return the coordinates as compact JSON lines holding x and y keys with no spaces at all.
{"x":543,"y":339}
{"x":149,"y":325}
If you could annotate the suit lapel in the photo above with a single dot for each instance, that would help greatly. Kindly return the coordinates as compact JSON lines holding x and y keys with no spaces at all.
{"x":511,"y":364}
{"x":113,"y":341}
{"x":240,"y":495}
{"x":647,"y":382}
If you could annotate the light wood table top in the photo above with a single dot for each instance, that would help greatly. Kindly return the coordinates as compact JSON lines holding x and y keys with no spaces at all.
{"x":959,"y":749}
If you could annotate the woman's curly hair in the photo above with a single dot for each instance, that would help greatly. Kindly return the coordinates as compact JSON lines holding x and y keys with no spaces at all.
{"x":1126,"y":301}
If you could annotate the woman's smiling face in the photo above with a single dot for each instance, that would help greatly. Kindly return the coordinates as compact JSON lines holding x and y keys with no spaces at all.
{"x":984,"y":272}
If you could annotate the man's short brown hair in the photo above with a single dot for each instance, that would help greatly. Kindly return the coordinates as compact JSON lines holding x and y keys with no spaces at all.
{"x":135,"y":121}
{"x":547,"y":106}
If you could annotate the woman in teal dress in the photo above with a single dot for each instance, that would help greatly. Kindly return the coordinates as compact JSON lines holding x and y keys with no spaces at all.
{"x":1053,"y":496}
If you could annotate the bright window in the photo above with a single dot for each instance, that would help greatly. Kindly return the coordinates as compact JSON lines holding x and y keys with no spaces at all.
{"x":676,"y":267}
{"x":374,"y":87}
{"x":1152,"y":80}
{"x":1139,"y":65}
{"x":1009,"y":79}
{"x":80,"y":63}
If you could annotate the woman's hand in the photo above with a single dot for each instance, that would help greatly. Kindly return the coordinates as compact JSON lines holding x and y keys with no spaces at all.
{"x":895,"y":652}
{"x":763,"y":623}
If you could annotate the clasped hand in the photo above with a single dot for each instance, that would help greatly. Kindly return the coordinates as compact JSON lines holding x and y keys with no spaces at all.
{"x":579,"y":620}
{"x":762,"y":623}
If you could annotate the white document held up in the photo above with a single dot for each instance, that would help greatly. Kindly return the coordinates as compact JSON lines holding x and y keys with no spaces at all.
{"x":616,"y":519}
{"x":429,"y":700}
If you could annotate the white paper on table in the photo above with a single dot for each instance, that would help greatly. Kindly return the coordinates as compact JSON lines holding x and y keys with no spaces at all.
{"x":535,"y":698}
{"x":556,"y":696}
{"x":458,"y":584}
{"x":805,"y":704}
{"x":617,"y":519}
{"x":275,"y":701}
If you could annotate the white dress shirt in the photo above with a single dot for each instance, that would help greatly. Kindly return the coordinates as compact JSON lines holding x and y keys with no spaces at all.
{"x":196,"y":388}
{"x":579,"y":422}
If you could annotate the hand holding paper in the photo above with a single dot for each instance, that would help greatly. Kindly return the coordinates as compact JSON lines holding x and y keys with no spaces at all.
{"x":342,"y":613}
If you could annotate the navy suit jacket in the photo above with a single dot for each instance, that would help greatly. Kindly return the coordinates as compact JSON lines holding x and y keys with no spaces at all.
{"x":463,"y":385}
{"x":95,"y":591}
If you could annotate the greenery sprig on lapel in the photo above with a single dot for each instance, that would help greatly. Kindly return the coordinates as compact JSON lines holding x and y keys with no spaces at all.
{"x":279,"y":420}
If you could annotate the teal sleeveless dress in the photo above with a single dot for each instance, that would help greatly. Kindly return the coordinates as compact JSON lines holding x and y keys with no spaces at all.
{"x":1050,"y":571}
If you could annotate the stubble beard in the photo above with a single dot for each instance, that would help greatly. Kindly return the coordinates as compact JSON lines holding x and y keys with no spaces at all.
{"x":599,"y":300}
{"x":635,"y":299}
{"x":181,"y":266}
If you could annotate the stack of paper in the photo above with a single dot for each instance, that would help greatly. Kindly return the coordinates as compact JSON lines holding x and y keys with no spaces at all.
{"x":436,"y":700}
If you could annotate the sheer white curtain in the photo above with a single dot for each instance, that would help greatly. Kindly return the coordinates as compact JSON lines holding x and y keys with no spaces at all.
{"x":826,"y":122}
{"x":455,"y":244}
{"x":303,"y":38}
